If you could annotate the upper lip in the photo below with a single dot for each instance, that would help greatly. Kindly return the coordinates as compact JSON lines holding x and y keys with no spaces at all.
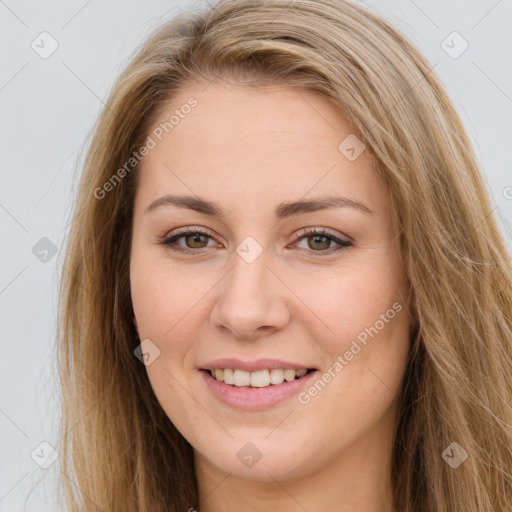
{"x":253,"y":366}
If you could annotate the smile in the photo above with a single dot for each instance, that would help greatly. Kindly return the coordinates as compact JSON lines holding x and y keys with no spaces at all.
{"x":242,"y":394}
{"x":257,"y":379}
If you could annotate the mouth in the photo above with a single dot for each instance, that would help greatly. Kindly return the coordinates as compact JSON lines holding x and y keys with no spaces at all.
{"x":256,"y":390}
{"x":257,"y":379}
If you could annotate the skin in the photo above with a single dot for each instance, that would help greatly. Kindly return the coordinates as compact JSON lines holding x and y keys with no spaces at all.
{"x":249,"y":151}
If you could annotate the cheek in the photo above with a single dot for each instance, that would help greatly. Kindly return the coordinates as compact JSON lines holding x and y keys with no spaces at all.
{"x":367,"y":344}
{"x":342,"y":304}
{"x":163,"y":297}
{"x":365,"y":330}
{"x":361,"y":327}
{"x":166,"y":303}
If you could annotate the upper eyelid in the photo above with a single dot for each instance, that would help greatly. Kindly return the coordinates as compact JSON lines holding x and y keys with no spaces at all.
{"x":320,"y":231}
{"x":191,"y":230}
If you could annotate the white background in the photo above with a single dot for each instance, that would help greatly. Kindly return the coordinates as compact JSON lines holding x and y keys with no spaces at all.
{"x":48,"y":107}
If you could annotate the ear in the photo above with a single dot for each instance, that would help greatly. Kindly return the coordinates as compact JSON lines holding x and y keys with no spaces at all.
{"x":135,"y":324}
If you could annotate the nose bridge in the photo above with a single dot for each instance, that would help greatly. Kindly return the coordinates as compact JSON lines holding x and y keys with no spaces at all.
{"x":251,"y":296}
{"x":248,"y":282}
{"x":249,"y":275}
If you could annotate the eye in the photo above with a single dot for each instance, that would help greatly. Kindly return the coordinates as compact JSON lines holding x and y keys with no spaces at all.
{"x":194,"y":236}
{"x":319,"y":239}
{"x":196,"y":239}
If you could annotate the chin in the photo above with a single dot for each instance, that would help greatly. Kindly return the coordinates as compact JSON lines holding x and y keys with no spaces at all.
{"x":261,"y":460}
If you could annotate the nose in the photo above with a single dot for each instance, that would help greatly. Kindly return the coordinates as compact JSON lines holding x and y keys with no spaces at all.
{"x":252,"y":300}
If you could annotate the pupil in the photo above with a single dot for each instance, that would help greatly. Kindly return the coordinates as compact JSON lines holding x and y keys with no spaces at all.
{"x":196,"y":238}
{"x":319,"y":237}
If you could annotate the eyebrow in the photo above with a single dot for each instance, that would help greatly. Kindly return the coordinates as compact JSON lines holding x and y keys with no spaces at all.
{"x":284,"y":210}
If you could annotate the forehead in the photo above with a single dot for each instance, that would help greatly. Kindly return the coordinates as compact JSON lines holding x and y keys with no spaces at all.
{"x":275,"y":114}
{"x":279,"y":143}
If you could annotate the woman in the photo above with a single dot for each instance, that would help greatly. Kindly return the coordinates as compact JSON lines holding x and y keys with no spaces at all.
{"x":284,"y":286}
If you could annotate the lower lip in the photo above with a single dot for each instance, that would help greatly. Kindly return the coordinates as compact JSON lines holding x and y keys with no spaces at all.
{"x":255,"y":398}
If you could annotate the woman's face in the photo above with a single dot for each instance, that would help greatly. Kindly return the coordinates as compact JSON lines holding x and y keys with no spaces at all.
{"x":256,"y":172}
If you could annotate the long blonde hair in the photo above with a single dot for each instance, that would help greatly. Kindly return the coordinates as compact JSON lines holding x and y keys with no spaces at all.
{"x":117,"y":445}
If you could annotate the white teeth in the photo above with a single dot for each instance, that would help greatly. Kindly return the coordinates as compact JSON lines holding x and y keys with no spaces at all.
{"x":241,"y":378}
{"x":258,"y":379}
{"x":289,"y":375}
{"x":276,"y":376}
{"x":228,"y":376}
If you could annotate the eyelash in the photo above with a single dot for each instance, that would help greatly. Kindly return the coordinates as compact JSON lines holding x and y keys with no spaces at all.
{"x":342,"y":244}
